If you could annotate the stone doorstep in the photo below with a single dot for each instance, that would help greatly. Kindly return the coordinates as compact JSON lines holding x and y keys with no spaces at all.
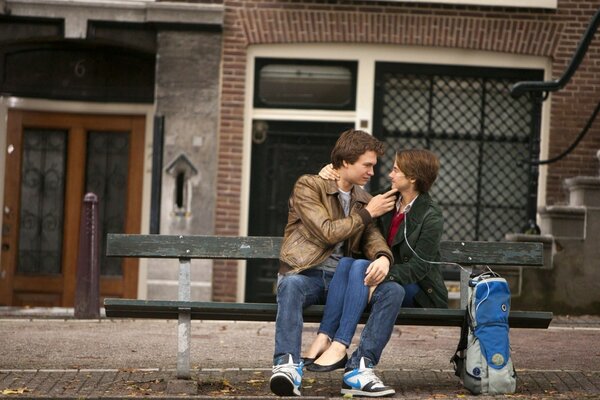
{"x":562,"y":221}
{"x":584,"y":191}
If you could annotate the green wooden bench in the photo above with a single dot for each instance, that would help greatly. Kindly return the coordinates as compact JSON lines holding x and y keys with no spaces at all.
{"x":185,"y":248}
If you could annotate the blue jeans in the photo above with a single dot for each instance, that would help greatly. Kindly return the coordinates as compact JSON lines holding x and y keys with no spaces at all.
{"x":294,"y":293}
{"x":346,"y":300}
{"x":409,"y":298}
{"x":384,"y":308}
{"x":297,"y":291}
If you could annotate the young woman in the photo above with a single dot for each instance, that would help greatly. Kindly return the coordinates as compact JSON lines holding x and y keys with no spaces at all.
{"x":413,"y":231}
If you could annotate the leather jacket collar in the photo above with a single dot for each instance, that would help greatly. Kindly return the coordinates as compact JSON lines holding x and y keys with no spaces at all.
{"x":360,"y":196}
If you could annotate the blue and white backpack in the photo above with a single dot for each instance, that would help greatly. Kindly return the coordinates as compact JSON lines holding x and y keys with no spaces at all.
{"x":482,"y":359}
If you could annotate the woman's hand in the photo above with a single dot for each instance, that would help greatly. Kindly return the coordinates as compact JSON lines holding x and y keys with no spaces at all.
{"x":328,"y":173}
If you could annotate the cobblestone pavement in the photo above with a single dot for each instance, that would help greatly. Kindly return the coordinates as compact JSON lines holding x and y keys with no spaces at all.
{"x":66,"y":358}
{"x":421,"y":384}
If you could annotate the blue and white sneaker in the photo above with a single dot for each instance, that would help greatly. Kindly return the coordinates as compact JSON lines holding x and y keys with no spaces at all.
{"x":287,"y":377}
{"x":362,"y":381}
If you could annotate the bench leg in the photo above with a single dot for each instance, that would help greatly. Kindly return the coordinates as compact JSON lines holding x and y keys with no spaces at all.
{"x":465,"y":275}
{"x":184,"y":340}
{"x":184,"y":327}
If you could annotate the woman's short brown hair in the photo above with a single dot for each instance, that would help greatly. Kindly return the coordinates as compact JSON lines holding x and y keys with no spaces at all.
{"x":419,"y":164}
{"x":351,"y":145}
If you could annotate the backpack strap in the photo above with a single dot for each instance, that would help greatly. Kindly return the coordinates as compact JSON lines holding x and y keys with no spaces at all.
{"x":458,"y":359}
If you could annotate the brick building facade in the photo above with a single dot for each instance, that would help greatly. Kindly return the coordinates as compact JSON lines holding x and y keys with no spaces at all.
{"x":549,"y":33}
{"x":203,"y":63}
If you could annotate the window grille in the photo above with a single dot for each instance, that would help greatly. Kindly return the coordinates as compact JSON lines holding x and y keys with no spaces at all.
{"x":480,"y":133}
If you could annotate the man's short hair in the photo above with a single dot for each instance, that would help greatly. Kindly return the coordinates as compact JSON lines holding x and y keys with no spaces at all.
{"x":351,"y":145}
{"x":419,"y":164}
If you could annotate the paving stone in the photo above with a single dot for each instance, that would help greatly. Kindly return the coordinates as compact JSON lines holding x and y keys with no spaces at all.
{"x":182,"y":387}
{"x":121,"y":359}
{"x":91,"y":382}
{"x":409,"y":384}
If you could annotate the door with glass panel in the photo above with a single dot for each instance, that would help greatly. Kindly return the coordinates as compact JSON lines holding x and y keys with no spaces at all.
{"x":52,"y":160}
{"x":291,"y":138}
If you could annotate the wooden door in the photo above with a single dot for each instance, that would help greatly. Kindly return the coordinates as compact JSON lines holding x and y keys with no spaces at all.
{"x":53,"y":159}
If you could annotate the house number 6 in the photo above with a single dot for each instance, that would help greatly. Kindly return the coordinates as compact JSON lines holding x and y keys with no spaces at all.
{"x":80,"y":68}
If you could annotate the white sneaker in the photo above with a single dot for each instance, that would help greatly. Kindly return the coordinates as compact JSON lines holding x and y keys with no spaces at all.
{"x":287,"y":378}
{"x":362,"y":381}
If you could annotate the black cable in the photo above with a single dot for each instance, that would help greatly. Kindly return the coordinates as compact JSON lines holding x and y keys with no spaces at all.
{"x":574,"y":144}
{"x":540,"y":90}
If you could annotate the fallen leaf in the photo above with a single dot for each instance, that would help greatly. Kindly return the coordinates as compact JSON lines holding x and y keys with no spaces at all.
{"x":226,"y":383}
{"x":255,"y":382}
{"x":16,"y":391}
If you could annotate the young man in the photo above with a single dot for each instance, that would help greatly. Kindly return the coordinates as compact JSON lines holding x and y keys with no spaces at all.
{"x":328,"y":220}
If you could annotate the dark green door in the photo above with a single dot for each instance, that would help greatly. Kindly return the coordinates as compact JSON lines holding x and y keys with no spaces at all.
{"x":281,"y":152}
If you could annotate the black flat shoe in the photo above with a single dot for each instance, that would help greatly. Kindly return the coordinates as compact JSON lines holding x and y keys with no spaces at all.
{"x":314,"y":367}
{"x":308,"y":361}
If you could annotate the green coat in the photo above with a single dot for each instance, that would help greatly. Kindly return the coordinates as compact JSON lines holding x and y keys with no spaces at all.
{"x":424,"y":232}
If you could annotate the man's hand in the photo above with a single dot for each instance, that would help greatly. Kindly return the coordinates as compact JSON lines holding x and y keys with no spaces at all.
{"x":382,"y":203}
{"x":377,"y":271}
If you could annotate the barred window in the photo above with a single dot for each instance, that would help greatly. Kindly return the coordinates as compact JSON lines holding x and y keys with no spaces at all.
{"x":480,"y":133}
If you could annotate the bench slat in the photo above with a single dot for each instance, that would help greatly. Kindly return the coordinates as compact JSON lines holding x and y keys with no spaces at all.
{"x":208,"y":247}
{"x":263,"y":247}
{"x":162,"y":309}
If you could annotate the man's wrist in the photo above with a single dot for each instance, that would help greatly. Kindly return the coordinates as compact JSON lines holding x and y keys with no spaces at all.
{"x":386,"y":257}
{"x":365,"y":215}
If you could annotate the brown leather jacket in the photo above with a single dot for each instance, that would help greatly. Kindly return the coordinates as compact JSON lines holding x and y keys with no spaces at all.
{"x":316,"y":223}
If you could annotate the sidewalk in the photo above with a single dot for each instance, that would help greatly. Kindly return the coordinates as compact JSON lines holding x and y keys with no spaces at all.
{"x":67,"y":358}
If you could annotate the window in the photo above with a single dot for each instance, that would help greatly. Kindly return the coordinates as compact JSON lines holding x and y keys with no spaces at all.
{"x":305,"y":84}
{"x":466,"y":116}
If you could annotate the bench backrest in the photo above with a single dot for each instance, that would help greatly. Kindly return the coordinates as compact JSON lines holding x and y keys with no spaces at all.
{"x":264,"y":247}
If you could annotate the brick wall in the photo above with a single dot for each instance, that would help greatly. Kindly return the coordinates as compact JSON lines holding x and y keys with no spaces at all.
{"x":553,"y":34}
{"x":572,"y":107}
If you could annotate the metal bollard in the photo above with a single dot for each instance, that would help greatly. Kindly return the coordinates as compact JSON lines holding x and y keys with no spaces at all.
{"x":87,"y":304}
